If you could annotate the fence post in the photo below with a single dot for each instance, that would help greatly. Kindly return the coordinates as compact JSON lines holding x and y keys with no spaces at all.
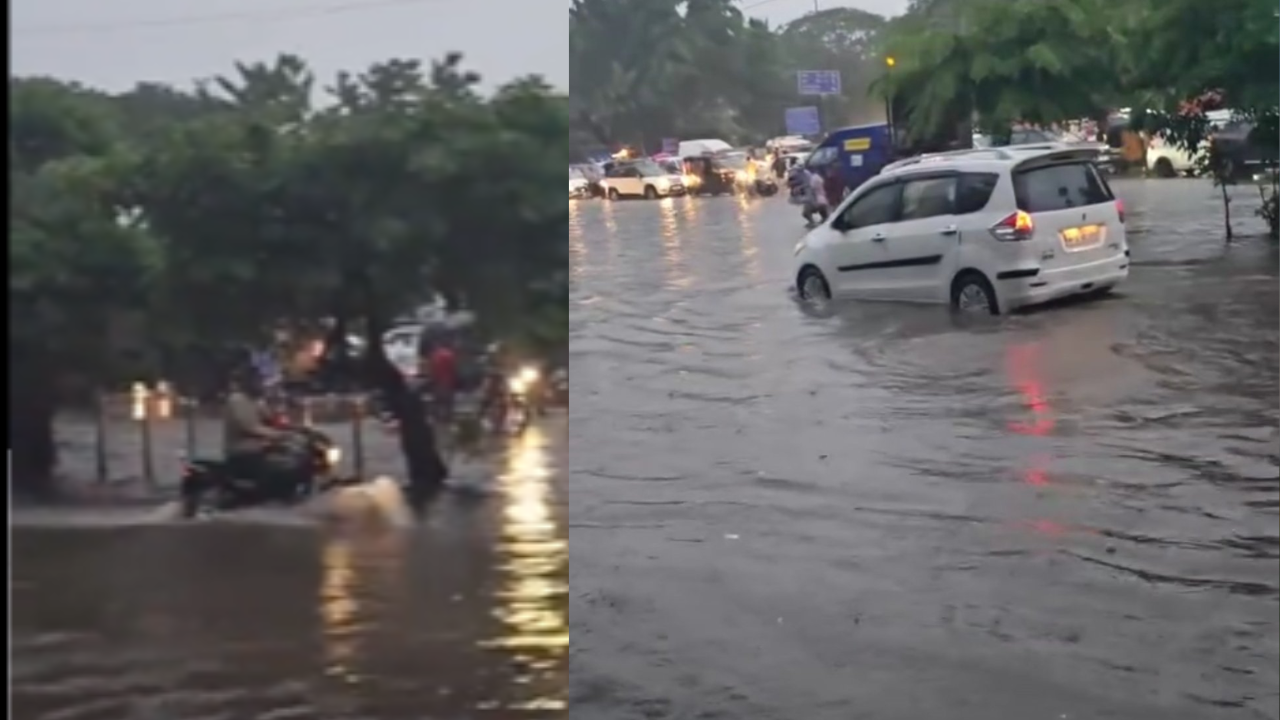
{"x":100,"y":436}
{"x":357,"y":435}
{"x":142,"y":413}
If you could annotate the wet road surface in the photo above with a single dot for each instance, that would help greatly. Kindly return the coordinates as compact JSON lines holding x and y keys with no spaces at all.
{"x":119,"y":616}
{"x":884,"y":514}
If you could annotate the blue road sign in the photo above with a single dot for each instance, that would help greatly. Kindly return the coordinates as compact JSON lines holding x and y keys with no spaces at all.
{"x":803,"y":121}
{"x":818,"y":82}
{"x":670,"y":145}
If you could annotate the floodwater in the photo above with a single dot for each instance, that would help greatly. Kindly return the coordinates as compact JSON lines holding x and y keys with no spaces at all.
{"x":118,"y":615}
{"x":885,"y":514}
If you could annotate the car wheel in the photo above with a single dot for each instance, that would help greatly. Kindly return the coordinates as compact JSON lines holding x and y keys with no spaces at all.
{"x":650,"y":193}
{"x":613,"y":194}
{"x":1164,"y":168}
{"x":972,"y":293}
{"x":812,"y":286}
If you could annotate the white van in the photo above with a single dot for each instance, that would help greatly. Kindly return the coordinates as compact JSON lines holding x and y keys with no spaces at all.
{"x":986,"y":230}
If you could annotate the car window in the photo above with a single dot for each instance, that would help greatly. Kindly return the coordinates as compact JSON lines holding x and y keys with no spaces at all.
{"x":1059,"y":187}
{"x":614,"y":172}
{"x":973,"y":191}
{"x":821,"y":156}
{"x":928,"y":197}
{"x":875,"y":207}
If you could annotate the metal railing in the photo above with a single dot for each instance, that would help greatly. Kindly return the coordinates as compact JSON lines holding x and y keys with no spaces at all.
{"x":145,"y":434}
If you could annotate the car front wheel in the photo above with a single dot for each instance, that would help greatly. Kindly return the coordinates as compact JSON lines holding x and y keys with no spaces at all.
{"x":811,"y":286}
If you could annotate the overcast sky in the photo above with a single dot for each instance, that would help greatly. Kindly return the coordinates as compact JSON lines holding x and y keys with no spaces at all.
{"x":114,"y":44}
{"x":778,"y":12}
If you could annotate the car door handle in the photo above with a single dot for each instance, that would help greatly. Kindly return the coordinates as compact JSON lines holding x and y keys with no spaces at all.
{"x":878,"y":237}
{"x":949,"y":230}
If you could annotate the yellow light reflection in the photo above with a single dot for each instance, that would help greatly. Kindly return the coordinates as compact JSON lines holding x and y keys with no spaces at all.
{"x":611,"y":226}
{"x":577,"y":244}
{"x":359,"y":573}
{"x":691,"y":210}
{"x":672,"y":252}
{"x":533,"y":598}
{"x":339,"y":610}
{"x":747,"y":238}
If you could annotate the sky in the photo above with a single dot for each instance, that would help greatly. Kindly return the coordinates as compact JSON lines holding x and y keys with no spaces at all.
{"x":778,"y":12}
{"x":114,"y":45}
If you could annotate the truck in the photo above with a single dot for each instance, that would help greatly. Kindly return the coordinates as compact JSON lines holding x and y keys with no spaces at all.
{"x":859,"y":151}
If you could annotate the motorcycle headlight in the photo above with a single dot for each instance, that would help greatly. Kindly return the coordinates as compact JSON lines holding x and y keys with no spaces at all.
{"x":741,"y":176}
{"x":516,"y":385}
{"x":529,"y":375}
{"x":333,"y":456}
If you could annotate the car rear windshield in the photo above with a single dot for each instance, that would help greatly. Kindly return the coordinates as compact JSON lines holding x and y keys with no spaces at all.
{"x":1060,"y":186}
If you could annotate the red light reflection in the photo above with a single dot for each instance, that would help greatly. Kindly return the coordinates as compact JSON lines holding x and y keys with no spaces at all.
{"x":1021,"y":361}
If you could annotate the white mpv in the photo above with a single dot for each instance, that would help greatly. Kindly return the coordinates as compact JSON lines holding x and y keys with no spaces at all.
{"x":986,"y":230}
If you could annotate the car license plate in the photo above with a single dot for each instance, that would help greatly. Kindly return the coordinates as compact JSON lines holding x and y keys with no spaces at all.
{"x":1085,"y":237}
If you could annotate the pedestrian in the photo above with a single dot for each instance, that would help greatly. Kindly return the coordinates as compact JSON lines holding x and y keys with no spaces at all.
{"x":816,"y":202}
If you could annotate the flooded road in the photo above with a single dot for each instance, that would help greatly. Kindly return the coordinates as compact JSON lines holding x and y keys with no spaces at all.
{"x":272,"y":616}
{"x":884,"y":514}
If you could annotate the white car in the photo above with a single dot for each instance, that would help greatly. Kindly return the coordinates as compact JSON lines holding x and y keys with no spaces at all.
{"x":579,"y":186}
{"x":988,"y":230}
{"x":641,"y":178}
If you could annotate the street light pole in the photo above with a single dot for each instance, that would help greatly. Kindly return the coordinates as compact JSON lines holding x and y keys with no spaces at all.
{"x":889,"y":62}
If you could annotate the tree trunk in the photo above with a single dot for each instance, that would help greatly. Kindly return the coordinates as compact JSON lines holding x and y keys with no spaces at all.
{"x":34,"y":451}
{"x":425,"y":468}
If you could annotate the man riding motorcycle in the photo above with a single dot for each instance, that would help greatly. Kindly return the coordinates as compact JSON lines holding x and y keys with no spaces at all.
{"x":256,"y":452}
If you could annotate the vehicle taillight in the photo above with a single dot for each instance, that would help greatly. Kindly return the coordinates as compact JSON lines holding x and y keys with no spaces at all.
{"x":1120,"y":209}
{"x":1016,"y":227}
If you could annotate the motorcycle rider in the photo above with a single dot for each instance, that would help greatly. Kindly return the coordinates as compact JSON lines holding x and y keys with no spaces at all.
{"x":493,"y":395}
{"x":251,"y":445}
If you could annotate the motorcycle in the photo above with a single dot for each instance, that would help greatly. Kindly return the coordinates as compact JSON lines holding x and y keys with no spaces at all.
{"x":211,"y":486}
{"x":519,"y":404}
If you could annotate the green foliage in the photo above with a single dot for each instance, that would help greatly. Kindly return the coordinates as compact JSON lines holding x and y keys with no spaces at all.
{"x":212,"y":216}
{"x":647,"y":69}
{"x":1000,"y":62}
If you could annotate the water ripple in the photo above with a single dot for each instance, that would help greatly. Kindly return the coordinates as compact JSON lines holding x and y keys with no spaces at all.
{"x":889,"y":512}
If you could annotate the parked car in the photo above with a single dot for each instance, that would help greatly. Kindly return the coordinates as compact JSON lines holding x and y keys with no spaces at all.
{"x":641,"y":178}
{"x":579,"y":185}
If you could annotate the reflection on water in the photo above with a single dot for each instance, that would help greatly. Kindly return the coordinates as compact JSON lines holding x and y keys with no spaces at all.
{"x":577,"y":247}
{"x":747,"y":238}
{"x":1078,"y":503}
{"x":268,"y":616}
{"x":672,"y":252}
{"x":533,"y":590}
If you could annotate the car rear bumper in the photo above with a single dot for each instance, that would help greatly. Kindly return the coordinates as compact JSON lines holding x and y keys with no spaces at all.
{"x":1021,"y":287}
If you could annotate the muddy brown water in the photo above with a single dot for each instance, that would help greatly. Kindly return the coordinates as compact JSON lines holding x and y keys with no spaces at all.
{"x":119,"y":614}
{"x":886,"y":514}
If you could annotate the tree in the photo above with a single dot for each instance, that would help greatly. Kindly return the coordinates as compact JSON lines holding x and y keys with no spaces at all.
{"x":1197,"y":60}
{"x":74,"y":267}
{"x":648,"y":69}
{"x":261,"y":208}
{"x":1036,"y":61}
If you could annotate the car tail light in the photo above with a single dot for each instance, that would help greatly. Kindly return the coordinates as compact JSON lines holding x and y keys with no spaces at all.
{"x":1120,"y":209}
{"x":1015,"y":228}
